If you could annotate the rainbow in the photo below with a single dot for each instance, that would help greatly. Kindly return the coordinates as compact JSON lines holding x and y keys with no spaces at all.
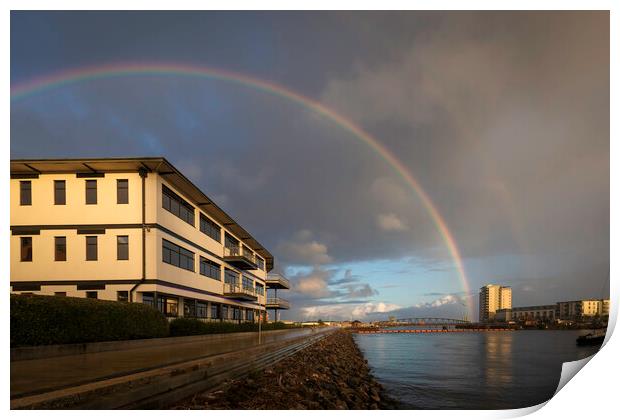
{"x":72,"y":76}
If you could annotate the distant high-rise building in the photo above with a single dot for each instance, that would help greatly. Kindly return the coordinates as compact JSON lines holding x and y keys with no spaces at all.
{"x":492,"y":298}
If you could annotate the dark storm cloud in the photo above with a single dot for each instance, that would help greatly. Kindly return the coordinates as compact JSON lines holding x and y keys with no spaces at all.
{"x":502,"y":117}
{"x":348,"y":278}
{"x":323,"y":286}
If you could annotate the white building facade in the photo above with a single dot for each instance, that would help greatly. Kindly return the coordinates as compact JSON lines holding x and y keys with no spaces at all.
{"x":132,"y":229}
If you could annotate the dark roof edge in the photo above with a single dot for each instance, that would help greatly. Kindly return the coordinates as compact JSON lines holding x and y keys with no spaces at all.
{"x":263,"y":252}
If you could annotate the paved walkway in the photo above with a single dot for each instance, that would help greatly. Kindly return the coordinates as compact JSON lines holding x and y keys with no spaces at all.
{"x":40,"y":375}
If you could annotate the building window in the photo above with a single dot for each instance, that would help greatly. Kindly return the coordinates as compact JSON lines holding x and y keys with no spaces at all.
{"x":91,"y":295}
{"x":60,"y":248}
{"x":60,"y":193}
{"x":249,"y":315}
{"x":167,"y":305}
{"x":147,"y":299}
{"x":122,"y":296}
{"x":230,"y":277}
{"x":25,"y":193}
{"x":91,"y":248}
{"x":236,"y":313}
{"x":260,"y":262}
{"x":91,"y":191}
{"x":215,"y":311}
{"x":232,"y":244}
{"x":247,"y":252}
{"x":122,"y":191}
{"x":210,"y":228}
{"x":210,"y":269}
{"x":177,"y":206}
{"x":26,"y":248}
{"x":177,"y":256}
{"x":122,"y":247}
{"x":60,"y":293}
{"x":189,"y":308}
{"x":224,"y":312}
{"x":260,"y":289}
{"x":247,"y":283}
{"x":201,"y":309}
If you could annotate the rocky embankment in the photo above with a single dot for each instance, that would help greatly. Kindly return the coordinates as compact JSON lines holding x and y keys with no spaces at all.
{"x":330,"y":374}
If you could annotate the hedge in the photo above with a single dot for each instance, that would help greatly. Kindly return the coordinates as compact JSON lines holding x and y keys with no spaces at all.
{"x":42,"y":320}
{"x":192,"y":326}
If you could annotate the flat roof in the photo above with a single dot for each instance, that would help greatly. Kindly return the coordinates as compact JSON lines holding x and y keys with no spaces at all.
{"x":159,"y":165}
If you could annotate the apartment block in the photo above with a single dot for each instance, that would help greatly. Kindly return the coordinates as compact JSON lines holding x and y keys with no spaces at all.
{"x":527,"y":313}
{"x":492,"y":298}
{"x":577,"y":309}
{"x":132,"y":229}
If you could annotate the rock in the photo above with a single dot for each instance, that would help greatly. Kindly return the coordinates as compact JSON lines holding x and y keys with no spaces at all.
{"x":330,"y":374}
{"x":374,"y":396}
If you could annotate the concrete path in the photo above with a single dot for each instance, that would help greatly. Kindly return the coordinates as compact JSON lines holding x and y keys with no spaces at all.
{"x":30,"y":377}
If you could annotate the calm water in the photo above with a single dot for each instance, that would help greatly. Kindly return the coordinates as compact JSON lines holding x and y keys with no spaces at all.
{"x":471,"y":370}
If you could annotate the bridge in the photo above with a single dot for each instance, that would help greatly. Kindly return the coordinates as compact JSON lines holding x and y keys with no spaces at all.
{"x":425,"y":321}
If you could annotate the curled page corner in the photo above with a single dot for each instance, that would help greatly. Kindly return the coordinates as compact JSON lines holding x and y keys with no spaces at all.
{"x":570,"y":369}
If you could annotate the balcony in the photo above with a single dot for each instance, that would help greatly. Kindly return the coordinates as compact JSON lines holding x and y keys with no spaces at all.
{"x":235,"y":291}
{"x":242,"y":260}
{"x":277,"y":303}
{"x":277,"y":281}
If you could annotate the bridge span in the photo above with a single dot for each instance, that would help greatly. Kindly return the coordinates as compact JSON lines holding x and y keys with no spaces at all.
{"x":427,"y":331}
{"x":421,"y":321}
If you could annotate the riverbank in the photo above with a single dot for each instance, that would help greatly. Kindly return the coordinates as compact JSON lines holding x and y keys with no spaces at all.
{"x":330,"y":374}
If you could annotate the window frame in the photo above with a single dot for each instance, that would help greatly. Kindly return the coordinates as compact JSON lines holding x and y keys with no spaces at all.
{"x":210,"y":228}
{"x":200,"y":305}
{"x":26,"y":251}
{"x":236,"y":313}
{"x":25,"y":199}
{"x":215,"y":310}
{"x":247,"y":283}
{"x":232,"y":243}
{"x":57,"y":244}
{"x":189,"y":308}
{"x":167,"y":305}
{"x":148,"y":299}
{"x":96,"y":247}
{"x":182,"y":254}
{"x":176,"y":205}
{"x":210,"y":269}
{"x":226,"y":272}
{"x":89,"y":188}
{"x":120,"y":245}
{"x":57,"y":201}
{"x":260,"y":288}
{"x":124,"y":190}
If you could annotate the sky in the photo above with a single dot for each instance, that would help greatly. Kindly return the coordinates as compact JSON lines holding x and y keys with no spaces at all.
{"x":502,"y":119}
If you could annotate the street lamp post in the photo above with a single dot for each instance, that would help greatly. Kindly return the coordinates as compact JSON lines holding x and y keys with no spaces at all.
{"x":260,"y":318}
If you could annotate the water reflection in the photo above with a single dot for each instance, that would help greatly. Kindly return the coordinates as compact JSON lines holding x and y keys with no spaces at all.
{"x":497,"y":362}
{"x":490,"y":370}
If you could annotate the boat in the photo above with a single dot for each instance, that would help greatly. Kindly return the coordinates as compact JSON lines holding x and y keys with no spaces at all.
{"x":591,"y":339}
